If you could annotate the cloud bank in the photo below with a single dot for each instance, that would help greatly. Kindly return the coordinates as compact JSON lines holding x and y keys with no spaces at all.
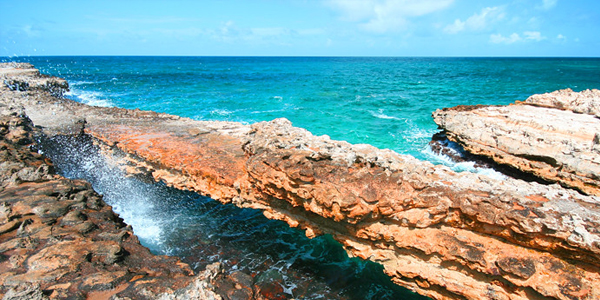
{"x":380,"y":16}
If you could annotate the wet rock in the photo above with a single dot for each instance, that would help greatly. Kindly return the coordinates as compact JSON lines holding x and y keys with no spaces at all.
{"x":242,"y":279}
{"x":23,"y":77}
{"x":59,"y":240}
{"x":240,"y":294}
{"x":442,"y":234}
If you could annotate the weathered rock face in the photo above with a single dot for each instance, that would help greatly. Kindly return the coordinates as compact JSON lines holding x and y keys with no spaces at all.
{"x":443,"y":234}
{"x":23,"y":77}
{"x":59,"y":239}
{"x":584,"y":102}
{"x":550,"y":142}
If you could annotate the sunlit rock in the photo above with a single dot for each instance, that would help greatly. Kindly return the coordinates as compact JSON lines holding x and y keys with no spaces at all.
{"x":443,"y":234}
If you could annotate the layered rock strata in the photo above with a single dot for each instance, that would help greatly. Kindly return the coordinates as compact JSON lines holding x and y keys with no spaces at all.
{"x":554,"y":136}
{"x":584,"y":102}
{"x":443,"y":234}
{"x":60,"y":240}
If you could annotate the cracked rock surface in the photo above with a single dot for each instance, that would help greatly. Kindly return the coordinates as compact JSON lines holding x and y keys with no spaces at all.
{"x":442,"y":234}
{"x":554,"y":136}
{"x":60,"y":240}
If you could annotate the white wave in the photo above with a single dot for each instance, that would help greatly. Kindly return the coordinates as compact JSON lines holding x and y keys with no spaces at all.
{"x":467,"y":166}
{"x":138,"y":203}
{"x":93,"y":98}
{"x":76,"y":83}
{"x":416,"y":135}
{"x":221,"y":112}
{"x":379,"y":114}
{"x":267,"y":111}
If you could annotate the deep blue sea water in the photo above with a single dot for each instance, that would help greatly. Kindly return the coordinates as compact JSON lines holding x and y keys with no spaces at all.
{"x":386,"y":102}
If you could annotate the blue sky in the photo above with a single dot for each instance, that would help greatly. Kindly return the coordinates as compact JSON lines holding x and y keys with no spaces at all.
{"x":301,"y":27}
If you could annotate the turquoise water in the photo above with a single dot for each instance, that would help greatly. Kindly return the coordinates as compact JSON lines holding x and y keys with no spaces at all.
{"x":386,"y":102}
{"x":285,"y":264}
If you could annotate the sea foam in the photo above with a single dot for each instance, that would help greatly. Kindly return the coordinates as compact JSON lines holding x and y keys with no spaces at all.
{"x":467,"y":166}
{"x":94,"y":98}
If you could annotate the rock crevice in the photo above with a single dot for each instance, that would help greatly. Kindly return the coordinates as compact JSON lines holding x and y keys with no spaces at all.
{"x":551,"y":136}
{"x":442,"y":234}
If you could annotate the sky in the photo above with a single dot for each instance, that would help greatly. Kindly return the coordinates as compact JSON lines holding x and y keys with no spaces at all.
{"x":301,"y":27}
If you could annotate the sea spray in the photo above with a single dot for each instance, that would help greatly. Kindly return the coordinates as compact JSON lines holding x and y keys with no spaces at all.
{"x":135,"y":201}
{"x":283,"y":262}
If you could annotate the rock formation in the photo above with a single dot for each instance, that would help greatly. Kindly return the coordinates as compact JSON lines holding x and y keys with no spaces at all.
{"x":584,"y":102}
{"x":553,"y":136}
{"x":59,"y":239}
{"x":443,"y":234}
{"x":23,"y":77}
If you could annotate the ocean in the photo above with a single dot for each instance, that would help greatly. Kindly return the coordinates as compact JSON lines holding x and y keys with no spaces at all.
{"x":383,"y":101}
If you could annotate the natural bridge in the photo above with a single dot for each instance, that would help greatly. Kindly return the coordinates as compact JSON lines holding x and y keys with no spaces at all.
{"x":443,"y":234}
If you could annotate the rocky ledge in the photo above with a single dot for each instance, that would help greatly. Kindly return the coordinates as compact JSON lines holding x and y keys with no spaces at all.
{"x":60,"y":240}
{"x":554,"y":136}
{"x":442,"y":234}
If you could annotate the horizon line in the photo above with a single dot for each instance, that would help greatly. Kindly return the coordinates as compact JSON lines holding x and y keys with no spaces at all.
{"x":294,"y":56}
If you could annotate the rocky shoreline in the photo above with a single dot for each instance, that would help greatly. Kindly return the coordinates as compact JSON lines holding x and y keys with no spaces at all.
{"x":554,"y":136}
{"x":442,"y":234}
{"x":60,"y":240}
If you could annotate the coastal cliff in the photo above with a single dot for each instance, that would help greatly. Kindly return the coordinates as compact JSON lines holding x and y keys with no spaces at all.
{"x":60,"y":240}
{"x":443,"y":234}
{"x":553,"y":136}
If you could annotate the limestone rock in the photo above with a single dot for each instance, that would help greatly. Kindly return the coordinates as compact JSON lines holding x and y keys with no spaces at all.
{"x":442,"y":234}
{"x":584,"y":102}
{"x":23,"y":77}
{"x":553,"y":144}
{"x":59,"y":240}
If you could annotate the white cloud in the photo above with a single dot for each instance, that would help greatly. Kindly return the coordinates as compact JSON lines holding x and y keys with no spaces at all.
{"x":500,"y":39}
{"x":385,"y":15}
{"x":455,"y":27}
{"x":230,"y":33}
{"x":477,"y":21}
{"x":535,"y":36}
{"x":548,"y":4}
{"x":561,"y":37}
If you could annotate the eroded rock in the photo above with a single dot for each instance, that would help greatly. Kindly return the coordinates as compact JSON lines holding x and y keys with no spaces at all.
{"x":584,"y":102}
{"x":59,"y":240}
{"x":443,"y":234}
{"x":23,"y":77}
{"x":548,"y":139}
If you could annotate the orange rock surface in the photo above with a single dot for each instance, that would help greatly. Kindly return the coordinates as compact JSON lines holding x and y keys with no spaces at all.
{"x":443,"y":234}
